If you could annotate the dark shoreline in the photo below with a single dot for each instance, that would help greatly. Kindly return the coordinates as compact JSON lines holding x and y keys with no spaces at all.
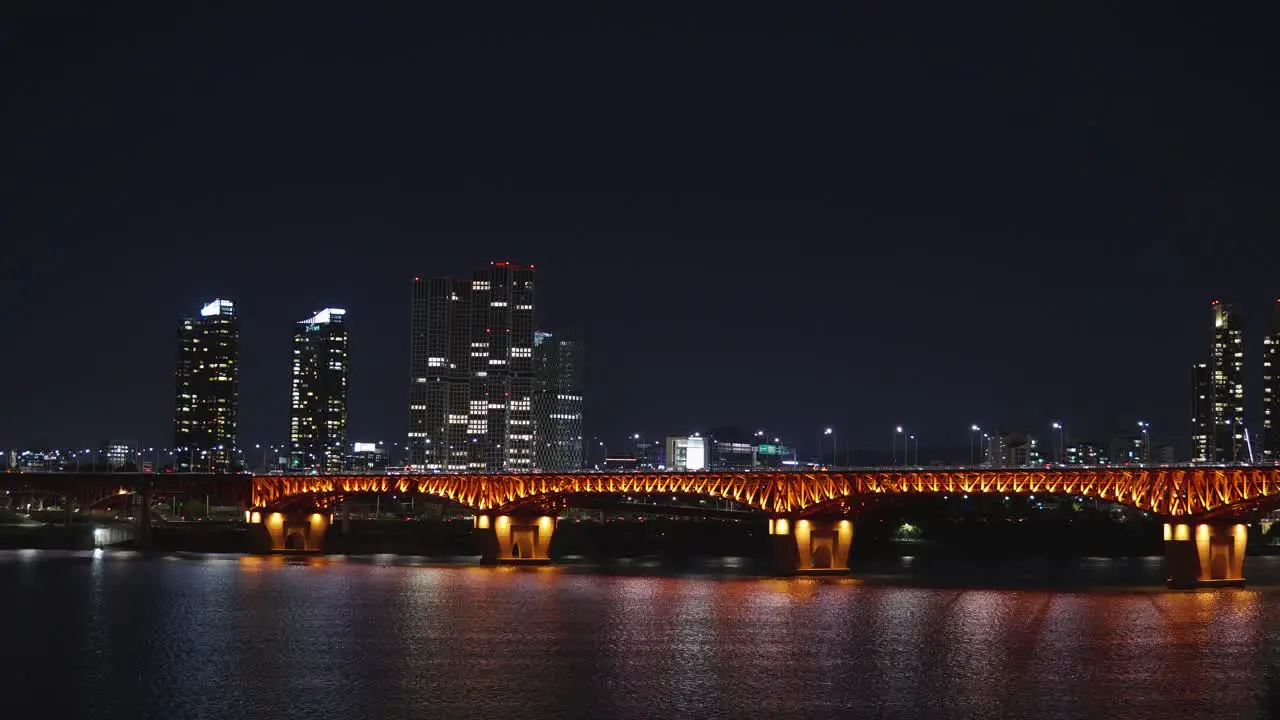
{"x":672,"y":540}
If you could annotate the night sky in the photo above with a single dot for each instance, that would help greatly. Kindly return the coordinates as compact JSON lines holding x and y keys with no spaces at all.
{"x":782,"y":217}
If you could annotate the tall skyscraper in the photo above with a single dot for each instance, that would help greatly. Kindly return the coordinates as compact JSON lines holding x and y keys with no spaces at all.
{"x":204,"y":418}
{"x":439,"y":364}
{"x":471,"y":371}
{"x":1271,"y":389}
{"x":1227,"y":383}
{"x":318,"y":416}
{"x":557,"y":401}
{"x":1201,"y":413}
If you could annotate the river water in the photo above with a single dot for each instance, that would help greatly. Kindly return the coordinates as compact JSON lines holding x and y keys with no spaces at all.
{"x":121,"y":635}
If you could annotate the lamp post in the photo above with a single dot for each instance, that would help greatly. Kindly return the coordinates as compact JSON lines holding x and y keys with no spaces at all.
{"x":906,"y":451}
{"x":1059,"y":441}
{"x":973,"y":440}
{"x":897,"y":430}
{"x":834,"y":445}
{"x":1146,"y":441}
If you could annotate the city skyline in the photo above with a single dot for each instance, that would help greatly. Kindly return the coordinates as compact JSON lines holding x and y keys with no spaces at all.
{"x":1216,"y":390}
{"x":949,"y":244}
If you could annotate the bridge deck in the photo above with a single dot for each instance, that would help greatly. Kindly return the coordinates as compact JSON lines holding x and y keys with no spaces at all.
{"x":1165,"y":491}
{"x":1177,"y":491}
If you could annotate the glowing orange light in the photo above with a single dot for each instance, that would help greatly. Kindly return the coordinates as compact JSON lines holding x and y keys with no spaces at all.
{"x":1166,"y":492}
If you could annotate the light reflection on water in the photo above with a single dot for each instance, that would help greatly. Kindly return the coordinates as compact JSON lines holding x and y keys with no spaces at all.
{"x":116,"y":635}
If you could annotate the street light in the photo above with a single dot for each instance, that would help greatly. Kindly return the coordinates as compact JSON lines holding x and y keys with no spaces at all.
{"x":907,"y":453}
{"x":1146,"y":441}
{"x":1059,"y":441}
{"x":834,"y":445}
{"x":973,"y":440}
{"x":898,"y":431}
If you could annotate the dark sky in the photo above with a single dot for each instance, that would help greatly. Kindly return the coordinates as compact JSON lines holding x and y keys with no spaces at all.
{"x":782,"y":216}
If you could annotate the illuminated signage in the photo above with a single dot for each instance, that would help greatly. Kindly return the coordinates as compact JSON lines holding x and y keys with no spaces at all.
{"x":325,"y":316}
{"x":217,"y":307}
{"x":366,"y":447}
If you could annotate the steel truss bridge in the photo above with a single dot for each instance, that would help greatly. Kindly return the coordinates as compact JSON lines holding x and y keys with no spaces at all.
{"x":809,"y":513}
{"x":1169,"y":492}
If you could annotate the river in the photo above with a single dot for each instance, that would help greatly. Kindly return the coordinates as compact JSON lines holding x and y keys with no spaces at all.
{"x":119,"y":635}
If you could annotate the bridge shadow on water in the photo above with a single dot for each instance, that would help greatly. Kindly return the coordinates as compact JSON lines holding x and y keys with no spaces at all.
{"x":1054,"y":573}
{"x":1025,"y":572}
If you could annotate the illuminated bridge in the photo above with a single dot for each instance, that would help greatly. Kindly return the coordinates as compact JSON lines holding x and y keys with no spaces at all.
{"x":809,"y":513}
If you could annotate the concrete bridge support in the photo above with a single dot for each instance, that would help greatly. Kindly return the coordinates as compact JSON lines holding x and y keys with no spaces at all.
{"x":288,"y":532}
{"x":515,"y":539}
{"x":144,"y":515}
{"x":811,"y":545}
{"x":1205,"y":554}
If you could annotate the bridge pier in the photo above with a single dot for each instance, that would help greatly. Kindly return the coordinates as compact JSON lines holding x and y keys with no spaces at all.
{"x":810,"y":546}
{"x":515,"y":539}
{"x":1205,"y":554}
{"x":288,"y":532}
{"x":143,"y":539}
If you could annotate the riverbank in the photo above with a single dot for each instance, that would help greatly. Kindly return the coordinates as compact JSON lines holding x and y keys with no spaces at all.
{"x":663,"y":539}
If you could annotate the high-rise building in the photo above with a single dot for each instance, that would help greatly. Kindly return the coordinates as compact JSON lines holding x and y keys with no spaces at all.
{"x":507,"y":292}
{"x":557,"y":402}
{"x":439,"y":365}
{"x":1201,"y":413}
{"x":204,"y":419}
{"x":1271,"y":389}
{"x":471,"y":371}
{"x":1227,"y":384}
{"x":318,"y":415}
